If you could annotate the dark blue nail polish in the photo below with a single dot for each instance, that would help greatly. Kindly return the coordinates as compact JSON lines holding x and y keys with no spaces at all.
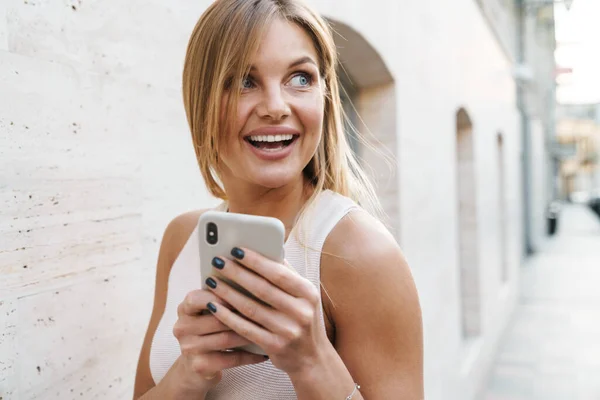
{"x":211,"y":283}
{"x":218,"y":263}
{"x":211,"y":307}
{"x":237,"y":253}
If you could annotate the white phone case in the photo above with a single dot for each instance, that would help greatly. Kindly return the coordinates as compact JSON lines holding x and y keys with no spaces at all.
{"x":265,"y":235}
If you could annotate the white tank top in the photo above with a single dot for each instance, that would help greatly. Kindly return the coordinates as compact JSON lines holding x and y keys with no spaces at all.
{"x":260,"y":381}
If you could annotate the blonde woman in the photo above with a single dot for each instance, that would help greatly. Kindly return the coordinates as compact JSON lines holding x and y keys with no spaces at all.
{"x":262,"y":101}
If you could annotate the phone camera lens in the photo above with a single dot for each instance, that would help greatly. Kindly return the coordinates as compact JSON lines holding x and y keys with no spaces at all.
{"x":212,"y":235}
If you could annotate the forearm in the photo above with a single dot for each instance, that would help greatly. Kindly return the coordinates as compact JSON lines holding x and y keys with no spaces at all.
{"x":327,"y":380}
{"x":156,"y":393}
{"x":171,"y":388}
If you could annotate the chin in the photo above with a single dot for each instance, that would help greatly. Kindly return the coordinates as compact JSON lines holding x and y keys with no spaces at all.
{"x":274,"y":178}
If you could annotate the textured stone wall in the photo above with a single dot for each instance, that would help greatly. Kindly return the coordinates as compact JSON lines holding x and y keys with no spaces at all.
{"x":95,"y":158}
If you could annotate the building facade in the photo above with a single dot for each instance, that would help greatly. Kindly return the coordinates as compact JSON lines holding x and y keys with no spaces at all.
{"x":578,"y":150}
{"x":526,"y":32}
{"x":96,"y":158}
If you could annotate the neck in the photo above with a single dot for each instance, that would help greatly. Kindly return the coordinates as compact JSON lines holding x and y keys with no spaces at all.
{"x":283,"y":203}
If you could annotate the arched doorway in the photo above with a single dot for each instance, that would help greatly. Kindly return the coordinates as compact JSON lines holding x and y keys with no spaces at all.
{"x":468,"y":243}
{"x":369,"y":99}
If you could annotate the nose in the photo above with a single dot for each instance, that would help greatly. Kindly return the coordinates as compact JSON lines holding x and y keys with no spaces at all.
{"x":273,"y":105}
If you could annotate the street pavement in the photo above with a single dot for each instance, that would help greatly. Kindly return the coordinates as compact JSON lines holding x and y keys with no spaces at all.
{"x":551,"y":349}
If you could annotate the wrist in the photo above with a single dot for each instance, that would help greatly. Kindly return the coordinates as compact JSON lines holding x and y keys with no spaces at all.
{"x":318,"y":367}
{"x":180,"y":388}
{"x":324,"y":378}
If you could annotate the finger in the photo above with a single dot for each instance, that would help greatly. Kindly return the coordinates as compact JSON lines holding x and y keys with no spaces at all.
{"x":195,"y":302}
{"x":243,"y":327}
{"x":198,"y":326}
{"x":258,"y":287}
{"x":211,"y":364}
{"x":221,"y":341}
{"x":279,"y":275}
{"x":263,"y":315}
{"x":272,"y":320}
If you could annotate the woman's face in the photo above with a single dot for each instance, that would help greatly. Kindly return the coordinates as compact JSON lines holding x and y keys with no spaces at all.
{"x":279,"y":118}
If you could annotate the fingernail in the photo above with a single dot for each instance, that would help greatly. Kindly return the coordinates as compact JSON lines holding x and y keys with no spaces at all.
{"x":211,"y":283}
{"x":237,"y":253}
{"x":211,"y":307}
{"x":218,"y":263}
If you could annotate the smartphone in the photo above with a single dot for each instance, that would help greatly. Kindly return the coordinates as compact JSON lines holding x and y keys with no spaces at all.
{"x":219,"y":232}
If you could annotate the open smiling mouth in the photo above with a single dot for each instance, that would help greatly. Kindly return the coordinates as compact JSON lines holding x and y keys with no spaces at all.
{"x":271,"y":142}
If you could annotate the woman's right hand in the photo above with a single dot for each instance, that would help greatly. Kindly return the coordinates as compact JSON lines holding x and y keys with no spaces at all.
{"x":203,"y":339}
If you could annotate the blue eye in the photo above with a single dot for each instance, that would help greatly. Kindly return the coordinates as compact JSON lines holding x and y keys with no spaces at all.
{"x":301,"y":80}
{"x":247,"y":83}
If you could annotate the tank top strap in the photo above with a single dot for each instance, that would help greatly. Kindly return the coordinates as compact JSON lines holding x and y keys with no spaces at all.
{"x":306,"y":241}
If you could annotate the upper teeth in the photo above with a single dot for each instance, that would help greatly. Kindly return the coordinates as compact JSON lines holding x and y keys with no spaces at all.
{"x":271,"y":138}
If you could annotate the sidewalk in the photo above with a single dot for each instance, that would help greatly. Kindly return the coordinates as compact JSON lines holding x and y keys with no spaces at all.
{"x":551,"y":350}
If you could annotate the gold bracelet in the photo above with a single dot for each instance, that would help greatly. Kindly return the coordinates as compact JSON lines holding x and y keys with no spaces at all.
{"x":356,"y":387}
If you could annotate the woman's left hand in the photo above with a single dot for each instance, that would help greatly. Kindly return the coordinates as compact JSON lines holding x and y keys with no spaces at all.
{"x":289,"y":331}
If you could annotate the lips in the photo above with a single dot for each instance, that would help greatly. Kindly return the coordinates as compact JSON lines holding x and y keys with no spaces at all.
{"x":272,"y":143}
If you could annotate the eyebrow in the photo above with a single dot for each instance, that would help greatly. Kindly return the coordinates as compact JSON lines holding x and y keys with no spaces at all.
{"x":303,"y":60}
{"x":300,"y":61}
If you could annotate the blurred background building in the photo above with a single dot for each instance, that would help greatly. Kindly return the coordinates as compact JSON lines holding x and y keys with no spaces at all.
{"x":578,"y":137}
{"x":96,"y":158}
{"x":578,"y":94}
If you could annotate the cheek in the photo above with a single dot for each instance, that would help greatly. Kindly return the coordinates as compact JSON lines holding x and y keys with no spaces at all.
{"x":236,"y":119}
{"x":311,"y":116}
{"x":244,"y":110}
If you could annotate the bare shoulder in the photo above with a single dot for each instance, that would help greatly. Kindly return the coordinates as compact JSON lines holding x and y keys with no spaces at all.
{"x":360,"y":237}
{"x":359,"y":254}
{"x":174,"y":239}
{"x":177,"y":233}
{"x":372,"y":300}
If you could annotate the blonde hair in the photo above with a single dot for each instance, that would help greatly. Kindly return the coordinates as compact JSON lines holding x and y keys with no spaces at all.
{"x":218,"y":57}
